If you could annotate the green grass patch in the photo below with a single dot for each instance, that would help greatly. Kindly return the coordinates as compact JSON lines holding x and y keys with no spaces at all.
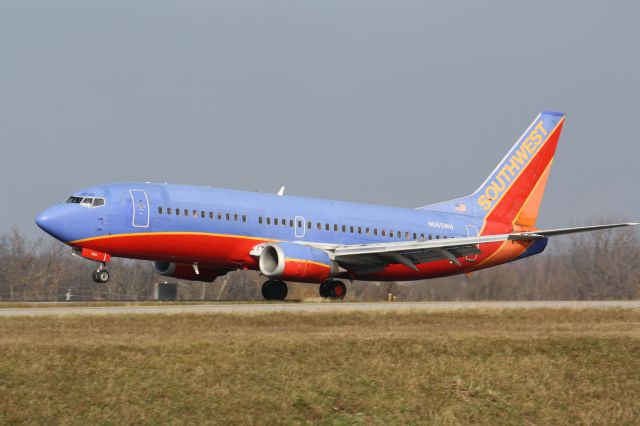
{"x":456,"y":367}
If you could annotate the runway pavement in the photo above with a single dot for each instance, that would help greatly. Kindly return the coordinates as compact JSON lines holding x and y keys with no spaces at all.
{"x":251,"y":308}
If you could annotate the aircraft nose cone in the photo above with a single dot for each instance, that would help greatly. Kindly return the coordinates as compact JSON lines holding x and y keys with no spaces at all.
{"x":53,"y":221}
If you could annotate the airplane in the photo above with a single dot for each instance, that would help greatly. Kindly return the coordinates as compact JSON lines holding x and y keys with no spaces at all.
{"x":200,"y":233}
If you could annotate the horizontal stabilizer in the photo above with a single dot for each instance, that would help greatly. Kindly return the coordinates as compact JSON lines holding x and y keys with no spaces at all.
{"x":565,"y":231}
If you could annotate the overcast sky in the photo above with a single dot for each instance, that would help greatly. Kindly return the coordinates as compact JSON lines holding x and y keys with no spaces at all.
{"x":393,"y":102}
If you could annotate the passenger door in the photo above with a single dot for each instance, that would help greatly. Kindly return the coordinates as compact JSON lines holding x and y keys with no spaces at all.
{"x":140,"y":208}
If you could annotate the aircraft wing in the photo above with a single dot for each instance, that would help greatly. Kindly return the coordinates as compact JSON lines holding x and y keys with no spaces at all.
{"x":370,"y":258}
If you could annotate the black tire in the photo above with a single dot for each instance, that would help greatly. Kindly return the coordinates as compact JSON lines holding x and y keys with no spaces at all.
{"x":324,"y":289}
{"x":333,"y":289}
{"x":102,"y":276}
{"x":94,"y":275}
{"x":274,"y":290}
{"x":338,"y":290}
{"x":281,"y":290}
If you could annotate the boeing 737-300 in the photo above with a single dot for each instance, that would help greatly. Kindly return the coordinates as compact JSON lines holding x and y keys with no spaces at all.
{"x":199,"y":233}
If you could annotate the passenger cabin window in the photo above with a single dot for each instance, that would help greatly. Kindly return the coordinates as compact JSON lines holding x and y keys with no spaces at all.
{"x":344,"y":228}
{"x":160,"y":210}
{"x":299,"y":224}
{"x":319,"y":226}
{"x":275,"y":221}
{"x":235,"y":217}
{"x":268,"y":221}
{"x":375,"y":231}
{"x":309,"y":225}
{"x":260,"y":219}
{"x":219,"y":215}
{"x":335,"y":227}
{"x":195,"y":213}
{"x":244,"y":218}
{"x":169,"y":210}
{"x":291,"y":223}
{"x":211,"y":215}
{"x":228,"y":216}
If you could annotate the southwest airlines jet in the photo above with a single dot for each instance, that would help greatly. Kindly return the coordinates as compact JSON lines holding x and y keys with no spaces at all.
{"x":200,"y":233}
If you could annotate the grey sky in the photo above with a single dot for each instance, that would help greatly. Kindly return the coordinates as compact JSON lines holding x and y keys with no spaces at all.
{"x":395,"y":102}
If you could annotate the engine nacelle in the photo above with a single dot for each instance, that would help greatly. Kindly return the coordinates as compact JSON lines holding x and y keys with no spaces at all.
{"x":296,"y":262}
{"x":185,"y":272}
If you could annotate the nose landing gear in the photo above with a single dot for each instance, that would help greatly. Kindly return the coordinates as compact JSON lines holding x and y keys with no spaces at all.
{"x":333,"y":289}
{"x":274,"y":290}
{"x":101,"y":276}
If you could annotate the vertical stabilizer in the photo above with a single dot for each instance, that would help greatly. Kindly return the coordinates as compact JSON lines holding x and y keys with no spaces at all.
{"x":513,"y":192}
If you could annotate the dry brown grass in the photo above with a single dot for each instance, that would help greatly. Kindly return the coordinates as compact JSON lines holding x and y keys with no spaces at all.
{"x":462,"y":367}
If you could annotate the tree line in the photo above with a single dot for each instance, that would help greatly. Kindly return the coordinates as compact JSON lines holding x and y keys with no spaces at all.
{"x":589,"y":266}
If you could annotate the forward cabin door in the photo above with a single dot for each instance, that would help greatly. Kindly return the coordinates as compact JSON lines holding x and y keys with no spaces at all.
{"x":472,"y":231}
{"x":140,"y":208}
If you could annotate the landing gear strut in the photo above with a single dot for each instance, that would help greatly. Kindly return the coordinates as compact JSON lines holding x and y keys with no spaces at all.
{"x":274,"y":290}
{"x":333,"y":289}
{"x":101,"y":276}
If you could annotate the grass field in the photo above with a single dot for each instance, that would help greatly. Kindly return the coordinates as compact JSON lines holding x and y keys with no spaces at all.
{"x":462,"y":367}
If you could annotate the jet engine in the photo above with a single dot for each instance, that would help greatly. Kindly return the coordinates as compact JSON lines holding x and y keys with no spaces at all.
{"x":296,"y":262}
{"x":185,"y":272}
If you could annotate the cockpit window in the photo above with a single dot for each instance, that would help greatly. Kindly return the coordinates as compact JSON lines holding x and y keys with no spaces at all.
{"x":86,"y":201}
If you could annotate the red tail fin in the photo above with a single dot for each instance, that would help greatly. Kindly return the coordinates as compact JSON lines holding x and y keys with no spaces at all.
{"x":511,"y":196}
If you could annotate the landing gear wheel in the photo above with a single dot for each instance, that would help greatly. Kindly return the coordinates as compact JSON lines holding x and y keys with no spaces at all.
{"x":324,"y":289}
{"x":333,"y":289}
{"x":101,"y":276}
{"x":274,"y":290}
{"x":339,"y":290}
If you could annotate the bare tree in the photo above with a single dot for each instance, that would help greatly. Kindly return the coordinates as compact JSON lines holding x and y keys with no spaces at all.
{"x":599,"y":265}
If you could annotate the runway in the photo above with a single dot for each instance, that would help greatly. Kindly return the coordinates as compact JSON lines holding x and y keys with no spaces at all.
{"x":257,"y":308}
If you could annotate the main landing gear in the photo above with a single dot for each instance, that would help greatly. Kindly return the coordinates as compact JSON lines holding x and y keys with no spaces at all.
{"x":278,"y":290}
{"x":333,"y":289}
{"x":274,"y":290}
{"x":101,"y":276}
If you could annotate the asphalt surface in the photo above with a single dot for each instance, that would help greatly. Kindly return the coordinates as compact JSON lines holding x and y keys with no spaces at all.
{"x":251,"y":308}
